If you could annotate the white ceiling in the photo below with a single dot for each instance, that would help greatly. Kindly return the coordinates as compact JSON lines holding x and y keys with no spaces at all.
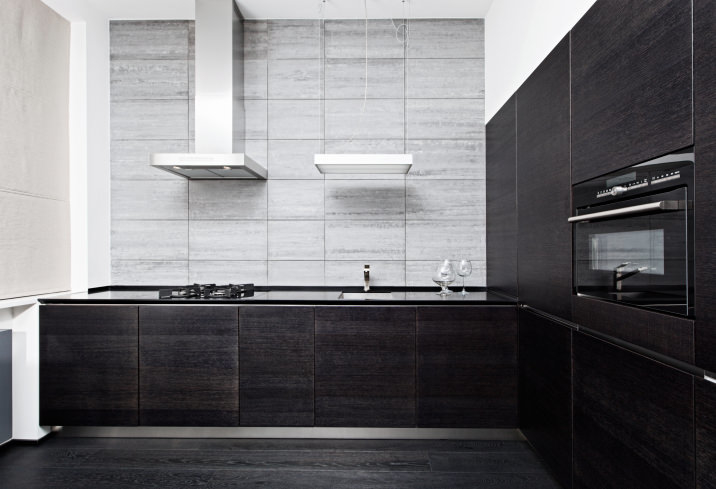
{"x":300,"y":9}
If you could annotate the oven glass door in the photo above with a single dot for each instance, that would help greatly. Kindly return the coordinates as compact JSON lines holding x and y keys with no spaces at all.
{"x":636,"y":252}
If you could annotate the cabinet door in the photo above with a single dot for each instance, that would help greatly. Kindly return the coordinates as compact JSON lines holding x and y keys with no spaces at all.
{"x":705,"y":200}
{"x":188,"y":366}
{"x":88,"y":366}
{"x":633,"y":420}
{"x":467,"y":367}
{"x":631,"y":84}
{"x":502,"y":201}
{"x":276,"y":365}
{"x":546,"y":391}
{"x":705,"y":434}
{"x":543,"y":186}
{"x":365,"y":366}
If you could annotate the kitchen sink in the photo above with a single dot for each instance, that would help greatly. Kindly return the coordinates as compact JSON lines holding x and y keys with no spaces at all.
{"x":366,"y":296}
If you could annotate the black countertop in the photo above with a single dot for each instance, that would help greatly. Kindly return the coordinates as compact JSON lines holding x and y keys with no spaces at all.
{"x":287,"y":295}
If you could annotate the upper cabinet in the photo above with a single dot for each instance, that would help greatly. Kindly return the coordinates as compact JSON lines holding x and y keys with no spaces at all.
{"x":631,"y":84}
{"x":705,"y":148}
{"x":543,"y":186}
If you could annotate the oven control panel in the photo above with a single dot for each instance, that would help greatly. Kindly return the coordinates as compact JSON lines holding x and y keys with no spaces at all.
{"x":659,"y":174}
{"x":666,"y":177}
{"x":617,"y":190}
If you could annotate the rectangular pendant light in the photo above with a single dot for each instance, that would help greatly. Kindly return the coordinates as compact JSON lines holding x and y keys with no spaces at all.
{"x":363,"y":163}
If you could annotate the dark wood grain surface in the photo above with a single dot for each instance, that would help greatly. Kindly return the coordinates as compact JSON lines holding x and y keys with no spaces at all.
{"x":633,"y":420}
{"x":365,"y":366}
{"x":631,"y":84}
{"x":119,"y":463}
{"x":88,"y":365}
{"x":501,"y":181}
{"x":705,"y":418}
{"x":189,"y":366}
{"x":705,"y":200}
{"x":543,"y":186}
{"x":276,"y":365}
{"x":467,"y":367}
{"x":546,"y":391}
{"x":662,"y":333}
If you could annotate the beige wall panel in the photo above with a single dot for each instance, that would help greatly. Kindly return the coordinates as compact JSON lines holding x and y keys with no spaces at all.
{"x":34,"y":150}
{"x":34,"y":99}
{"x":34,"y":245}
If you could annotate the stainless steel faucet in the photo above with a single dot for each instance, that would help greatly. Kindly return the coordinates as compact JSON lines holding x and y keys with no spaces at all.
{"x":620,"y":275}
{"x":366,"y":278}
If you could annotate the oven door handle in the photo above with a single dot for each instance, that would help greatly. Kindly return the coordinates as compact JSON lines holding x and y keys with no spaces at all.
{"x":664,"y":205}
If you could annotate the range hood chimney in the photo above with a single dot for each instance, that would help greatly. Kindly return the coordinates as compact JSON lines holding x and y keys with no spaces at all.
{"x":218,"y":103}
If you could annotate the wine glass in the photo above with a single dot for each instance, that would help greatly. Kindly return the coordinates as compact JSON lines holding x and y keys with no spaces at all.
{"x":444,"y":275}
{"x":464,"y":269}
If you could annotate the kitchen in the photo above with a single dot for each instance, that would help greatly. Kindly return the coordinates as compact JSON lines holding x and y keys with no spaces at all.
{"x":303,"y":94}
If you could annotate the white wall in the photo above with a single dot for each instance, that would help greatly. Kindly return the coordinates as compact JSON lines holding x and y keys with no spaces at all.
{"x":89,"y":150}
{"x":519,"y":34}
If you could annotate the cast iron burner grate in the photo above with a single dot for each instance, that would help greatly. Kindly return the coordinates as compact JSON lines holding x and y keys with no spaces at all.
{"x":208,"y":291}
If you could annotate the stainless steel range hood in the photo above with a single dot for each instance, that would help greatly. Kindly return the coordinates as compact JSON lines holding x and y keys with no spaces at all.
{"x":219,"y":110}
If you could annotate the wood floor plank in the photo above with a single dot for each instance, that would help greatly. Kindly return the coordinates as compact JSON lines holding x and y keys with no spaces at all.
{"x":119,"y":463}
{"x":251,"y":460}
{"x":486,"y":462}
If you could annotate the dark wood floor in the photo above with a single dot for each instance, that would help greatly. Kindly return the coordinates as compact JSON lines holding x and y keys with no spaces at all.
{"x":79,"y":463}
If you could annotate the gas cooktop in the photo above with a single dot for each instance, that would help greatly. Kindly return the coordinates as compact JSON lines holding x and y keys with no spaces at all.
{"x":208,"y":291}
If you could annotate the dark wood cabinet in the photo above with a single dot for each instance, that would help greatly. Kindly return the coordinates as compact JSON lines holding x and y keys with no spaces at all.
{"x":705,"y":199}
{"x":543,"y":186}
{"x":188,"y":366}
{"x":501,"y":181}
{"x":365,"y":366}
{"x":705,"y":417}
{"x":546,"y":391}
{"x":88,"y":365}
{"x":467,"y":367}
{"x":631,"y":84}
{"x":669,"y":335}
{"x":633,"y":420}
{"x":276,"y":364}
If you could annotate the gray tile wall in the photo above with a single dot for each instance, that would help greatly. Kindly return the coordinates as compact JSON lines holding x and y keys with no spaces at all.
{"x":304,"y":89}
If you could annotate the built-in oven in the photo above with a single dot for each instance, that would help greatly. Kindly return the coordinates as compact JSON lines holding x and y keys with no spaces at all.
{"x":633,"y":235}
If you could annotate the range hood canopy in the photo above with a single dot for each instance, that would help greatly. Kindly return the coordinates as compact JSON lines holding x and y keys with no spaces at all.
{"x":218,"y":103}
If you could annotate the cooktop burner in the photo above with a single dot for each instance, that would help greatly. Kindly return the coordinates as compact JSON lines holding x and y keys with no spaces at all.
{"x":208,"y":291}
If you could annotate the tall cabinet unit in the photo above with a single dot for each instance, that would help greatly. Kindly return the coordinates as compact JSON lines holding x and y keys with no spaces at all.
{"x":501,"y":181}
{"x":5,"y":385}
{"x":705,"y":201}
{"x":631,"y":84}
{"x":545,"y":349}
{"x":633,"y":420}
{"x":543,"y":186}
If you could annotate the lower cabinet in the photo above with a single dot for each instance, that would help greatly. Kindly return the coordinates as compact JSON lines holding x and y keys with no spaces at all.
{"x":188,"y":366}
{"x":705,"y":413}
{"x":633,"y":420}
{"x":88,"y":365}
{"x":365,"y":366}
{"x":276,"y":364}
{"x":271,"y":365}
{"x":545,"y":350}
{"x":467,"y":367}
